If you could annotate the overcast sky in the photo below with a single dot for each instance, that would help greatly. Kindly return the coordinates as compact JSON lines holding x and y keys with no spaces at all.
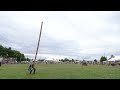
{"x":72,"y":34}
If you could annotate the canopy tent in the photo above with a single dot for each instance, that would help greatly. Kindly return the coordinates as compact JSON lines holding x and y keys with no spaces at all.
{"x":112,"y":59}
{"x":49,"y":58}
{"x":116,"y":58}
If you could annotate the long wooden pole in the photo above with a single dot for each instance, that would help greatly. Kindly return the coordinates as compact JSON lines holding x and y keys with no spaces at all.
{"x":38,"y":41}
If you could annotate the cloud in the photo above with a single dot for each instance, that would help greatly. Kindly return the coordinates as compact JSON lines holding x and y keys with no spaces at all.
{"x":83,"y":34}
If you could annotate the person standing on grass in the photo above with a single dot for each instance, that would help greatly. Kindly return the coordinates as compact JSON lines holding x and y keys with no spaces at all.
{"x":32,"y":67}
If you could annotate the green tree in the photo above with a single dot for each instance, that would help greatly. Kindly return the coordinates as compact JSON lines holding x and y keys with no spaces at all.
{"x":8,"y":52}
{"x":103,"y":58}
{"x":66,"y":59}
{"x":72,"y":60}
{"x":28,"y":59}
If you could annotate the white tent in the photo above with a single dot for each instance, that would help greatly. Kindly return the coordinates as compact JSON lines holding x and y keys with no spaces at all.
{"x":115,"y":58}
{"x":112,"y":59}
{"x":49,"y":59}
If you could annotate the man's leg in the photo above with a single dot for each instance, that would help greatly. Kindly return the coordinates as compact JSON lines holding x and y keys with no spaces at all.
{"x":34,"y":71}
{"x":30,"y":71}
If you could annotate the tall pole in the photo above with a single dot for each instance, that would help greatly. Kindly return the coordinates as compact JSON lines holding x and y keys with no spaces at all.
{"x":38,"y":40}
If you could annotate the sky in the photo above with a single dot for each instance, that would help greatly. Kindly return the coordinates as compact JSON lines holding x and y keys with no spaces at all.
{"x":65,"y":34}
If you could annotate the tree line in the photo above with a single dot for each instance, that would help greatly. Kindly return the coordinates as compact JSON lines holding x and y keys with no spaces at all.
{"x":66,"y":59}
{"x":9,"y":53}
{"x":103,"y":58}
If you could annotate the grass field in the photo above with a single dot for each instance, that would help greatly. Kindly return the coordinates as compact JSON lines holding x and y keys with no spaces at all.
{"x":60,"y":71}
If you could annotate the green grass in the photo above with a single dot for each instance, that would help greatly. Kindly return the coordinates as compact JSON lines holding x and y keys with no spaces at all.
{"x":60,"y":71}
